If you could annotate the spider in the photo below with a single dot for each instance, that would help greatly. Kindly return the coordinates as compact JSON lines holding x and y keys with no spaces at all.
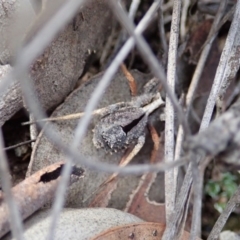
{"x":123,"y":124}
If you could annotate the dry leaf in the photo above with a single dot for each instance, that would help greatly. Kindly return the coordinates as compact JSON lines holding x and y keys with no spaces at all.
{"x":149,"y":231}
{"x":196,"y":40}
{"x":139,"y":203}
{"x":104,"y":194}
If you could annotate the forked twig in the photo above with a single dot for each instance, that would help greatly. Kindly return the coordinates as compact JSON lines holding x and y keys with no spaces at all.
{"x":18,"y":145}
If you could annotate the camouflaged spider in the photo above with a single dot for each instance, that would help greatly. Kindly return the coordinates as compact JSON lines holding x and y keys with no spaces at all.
{"x":123,"y":124}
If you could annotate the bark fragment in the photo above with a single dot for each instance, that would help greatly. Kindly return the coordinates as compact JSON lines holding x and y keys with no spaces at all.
{"x":34,"y":192}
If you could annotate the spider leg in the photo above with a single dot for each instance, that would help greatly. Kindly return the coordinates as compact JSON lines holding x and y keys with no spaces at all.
{"x":154,"y":105}
{"x":150,"y":93}
{"x":152,"y":86}
{"x":124,"y":161}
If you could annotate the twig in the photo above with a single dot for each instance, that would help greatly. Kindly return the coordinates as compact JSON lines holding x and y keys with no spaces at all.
{"x":169,"y":110}
{"x":33,"y":130}
{"x":67,"y":117}
{"x":156,"y":142}
{"x":131,"y":81}
{"x":231,"y":69}
{"x":199,"y":68}
{"x":179,"y":142}
{"x":224,"y":19}
{"x":181,"y":206}
{"x":198,"y":180}
{"x":18,"y":145}
{"x":197,"y":205}
{"x":218,"y":226}
{"x":10,"y":203}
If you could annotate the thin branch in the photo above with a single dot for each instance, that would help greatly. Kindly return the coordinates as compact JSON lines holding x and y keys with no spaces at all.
{"x":18,"y":145}
{"x":169,"y":110}
{"x":180,"y":209}
{"x":179,"y":142}
{"x":131,"y":81}
{"x":197,"y":205}
{"x":66,"y":117}
{"x":198,"y":180}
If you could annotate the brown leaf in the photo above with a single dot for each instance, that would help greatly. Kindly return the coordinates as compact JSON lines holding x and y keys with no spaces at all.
{"x":141,"y":206}
{"x":35,"y":191}
{"x":196,"y":40}
{"x":149,"y":231}
{"x":139,"y":203}
{"x":104,"y":194}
